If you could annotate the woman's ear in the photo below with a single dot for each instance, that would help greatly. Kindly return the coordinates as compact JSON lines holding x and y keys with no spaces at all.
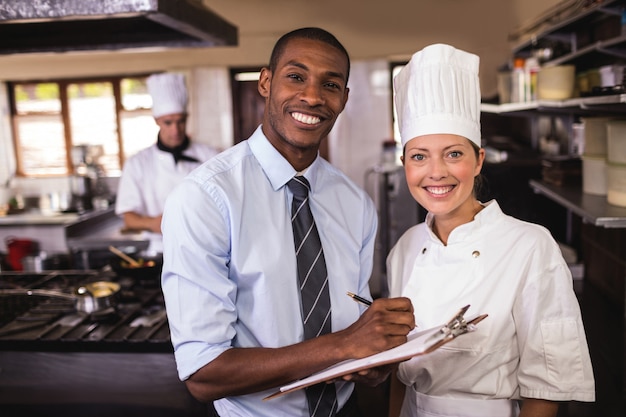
{"x":480,"y":161}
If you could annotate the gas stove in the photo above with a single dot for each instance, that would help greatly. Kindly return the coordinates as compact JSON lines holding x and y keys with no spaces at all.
{"x":136,"y":323}
{"x":57,"y":359}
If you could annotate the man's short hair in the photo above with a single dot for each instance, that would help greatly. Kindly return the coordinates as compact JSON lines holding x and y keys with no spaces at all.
{"x":312,"y":33}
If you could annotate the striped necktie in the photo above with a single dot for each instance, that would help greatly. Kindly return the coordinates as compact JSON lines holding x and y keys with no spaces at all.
{"x":314,"y":292}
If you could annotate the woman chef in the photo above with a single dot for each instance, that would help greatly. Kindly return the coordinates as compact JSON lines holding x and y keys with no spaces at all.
{"x":531,"y":350}
{"x":149,"y":175}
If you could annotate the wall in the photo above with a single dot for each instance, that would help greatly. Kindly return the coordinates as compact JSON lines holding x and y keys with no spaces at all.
{"x":210,"y":98}
{"x":373,"y":36}
{"x":7,"y":161}
{"x":356,"y":141}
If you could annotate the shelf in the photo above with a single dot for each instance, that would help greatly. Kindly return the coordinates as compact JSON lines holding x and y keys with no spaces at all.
{"x":565,"y":29}
{"x":593,"y":209}
{"x":596,"y":103}
{"x":614,"y":47}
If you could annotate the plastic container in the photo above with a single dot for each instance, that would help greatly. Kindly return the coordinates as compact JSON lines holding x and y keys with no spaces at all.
{"x":611,"y":75}
{"x":616,"y":142}
{"x":616,"y":184}
{"x":595,"y":135}
{"x":17,"y":249}
{"x":594,"y":175}
{"x":582,"y":83}
{"x":556,"y":82}
{"x":504,"y":86}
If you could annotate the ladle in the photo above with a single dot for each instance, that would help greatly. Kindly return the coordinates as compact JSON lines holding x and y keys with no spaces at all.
{"x":125,"y":257}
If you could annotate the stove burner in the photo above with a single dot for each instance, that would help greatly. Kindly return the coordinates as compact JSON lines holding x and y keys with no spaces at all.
{"x":136,"y":321}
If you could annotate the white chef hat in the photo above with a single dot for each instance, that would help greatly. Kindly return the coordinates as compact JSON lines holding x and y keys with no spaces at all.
{"x":438,"y":91}
{"x":169,"y":94}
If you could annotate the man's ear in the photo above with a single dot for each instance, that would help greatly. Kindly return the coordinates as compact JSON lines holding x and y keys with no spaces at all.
{"x":265,"y":80}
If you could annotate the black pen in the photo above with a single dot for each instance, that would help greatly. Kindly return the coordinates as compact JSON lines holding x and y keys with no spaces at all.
{"x":360,"y":299}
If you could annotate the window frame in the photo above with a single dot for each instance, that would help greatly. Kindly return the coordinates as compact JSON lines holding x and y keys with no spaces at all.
{"x":116,"y":82}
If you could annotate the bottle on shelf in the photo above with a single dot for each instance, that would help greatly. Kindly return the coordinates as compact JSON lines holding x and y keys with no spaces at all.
{"x":518,"y":81}
{"x":531,"y":68}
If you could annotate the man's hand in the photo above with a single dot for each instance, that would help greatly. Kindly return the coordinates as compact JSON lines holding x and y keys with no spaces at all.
{"x":384,"y":325}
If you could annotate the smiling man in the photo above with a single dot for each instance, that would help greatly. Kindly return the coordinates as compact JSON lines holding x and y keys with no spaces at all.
{"x":231,"y":273}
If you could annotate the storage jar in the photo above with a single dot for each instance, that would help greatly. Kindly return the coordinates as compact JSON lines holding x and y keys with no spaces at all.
{"x":556,"y":82}
{"x":611,"y":75}
{"x":616,"y":142}
{"x":594,"y":175}
{"x":595,"y":135}
{"x":616,"y":184}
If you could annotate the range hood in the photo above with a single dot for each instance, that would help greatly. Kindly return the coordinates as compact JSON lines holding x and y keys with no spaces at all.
{"x":30,"y":26}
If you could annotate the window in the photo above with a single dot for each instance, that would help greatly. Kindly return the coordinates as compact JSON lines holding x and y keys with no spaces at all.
{"x":52,"y":117}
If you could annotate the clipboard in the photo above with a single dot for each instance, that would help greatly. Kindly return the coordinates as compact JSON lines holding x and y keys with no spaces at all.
{"x":418,"y":343}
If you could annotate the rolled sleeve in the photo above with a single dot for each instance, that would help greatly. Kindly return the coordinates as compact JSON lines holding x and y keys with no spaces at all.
{"x":198,"y":294}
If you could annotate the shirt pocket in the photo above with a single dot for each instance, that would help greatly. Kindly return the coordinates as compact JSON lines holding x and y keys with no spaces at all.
{"x":562,"y":349}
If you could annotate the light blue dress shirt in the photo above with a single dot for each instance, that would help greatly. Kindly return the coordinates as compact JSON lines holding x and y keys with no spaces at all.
{"x":229,"y":275}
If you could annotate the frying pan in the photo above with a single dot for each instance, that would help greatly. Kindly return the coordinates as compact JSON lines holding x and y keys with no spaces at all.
{"x":90,"y":298}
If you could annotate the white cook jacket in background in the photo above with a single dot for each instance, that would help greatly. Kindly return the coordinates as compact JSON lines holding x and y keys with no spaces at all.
{"x":149,"y":176}
{"x":532,"y":344}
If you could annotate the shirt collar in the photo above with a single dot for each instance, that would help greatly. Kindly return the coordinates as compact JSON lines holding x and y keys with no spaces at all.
{"x":277,"y":169}
{"x":488,"y":215}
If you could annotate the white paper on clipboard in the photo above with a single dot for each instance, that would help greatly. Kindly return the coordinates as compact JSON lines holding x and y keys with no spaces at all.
{"x":418,"y":343}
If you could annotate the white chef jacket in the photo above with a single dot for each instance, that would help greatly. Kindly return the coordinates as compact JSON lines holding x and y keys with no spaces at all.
{"x":149,"y":176}
{"x":230,"y":274}
{"x":532,"y":344}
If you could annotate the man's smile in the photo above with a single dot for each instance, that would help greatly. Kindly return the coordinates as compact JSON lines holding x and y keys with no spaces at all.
{"x":306,"y":119}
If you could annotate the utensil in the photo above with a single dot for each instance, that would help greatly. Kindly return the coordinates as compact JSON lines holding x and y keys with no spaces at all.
{"x":125,"y":257}
{"x":149,"y":270}
{"x":93,"y":297}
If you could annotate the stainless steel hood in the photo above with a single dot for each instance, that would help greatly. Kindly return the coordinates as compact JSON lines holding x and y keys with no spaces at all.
{"x":30,"y":26}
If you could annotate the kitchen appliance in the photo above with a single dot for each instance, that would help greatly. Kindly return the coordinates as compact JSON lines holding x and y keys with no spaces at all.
{"x":57,"y":358}
{"x":43,"y":321}
{"x":386,"y":183}
{"x":28,"y":26}
{"x":87,"y":183}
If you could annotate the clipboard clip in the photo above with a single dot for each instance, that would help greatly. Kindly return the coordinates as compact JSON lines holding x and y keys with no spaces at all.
{"x":455,"y":327}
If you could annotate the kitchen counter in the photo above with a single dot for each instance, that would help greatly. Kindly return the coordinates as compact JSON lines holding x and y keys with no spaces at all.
{"x":101,"y":232}
{"x":55,"y":360}
{"x":71,"y":232}
{"x":35,"y":218}
{"x":76,"y":384}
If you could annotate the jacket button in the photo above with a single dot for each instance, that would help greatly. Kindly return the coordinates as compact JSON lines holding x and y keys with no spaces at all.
{"x":475,"y":254}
